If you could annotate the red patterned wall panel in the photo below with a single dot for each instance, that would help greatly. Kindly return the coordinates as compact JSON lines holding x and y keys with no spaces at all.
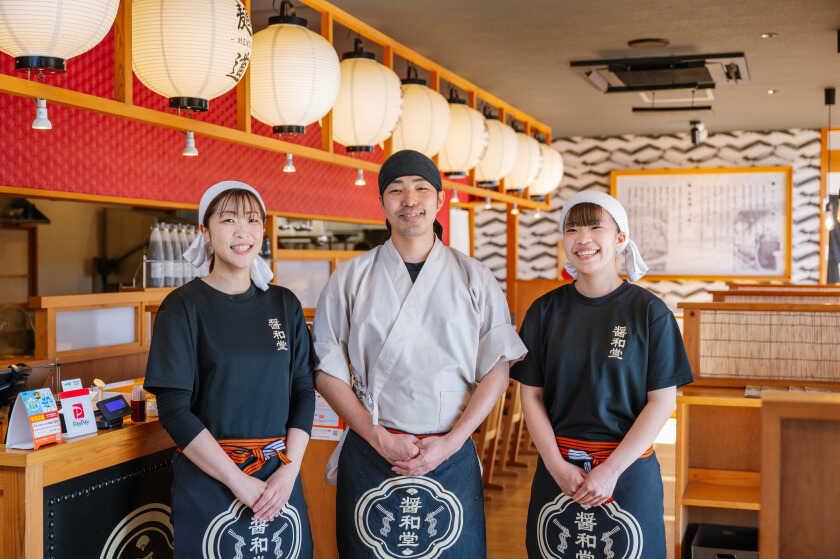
{"x":97,"y":154}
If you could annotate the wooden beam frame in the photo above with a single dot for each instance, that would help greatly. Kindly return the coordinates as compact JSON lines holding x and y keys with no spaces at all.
{"x":354,"y":24}
{"x":123,"y":74}
{"x":163,"y":205}
{"x":123,"y":106}
{"x":25,"y":88}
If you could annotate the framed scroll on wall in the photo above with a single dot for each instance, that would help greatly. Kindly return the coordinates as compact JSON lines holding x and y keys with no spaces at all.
{"x":710,"y":224}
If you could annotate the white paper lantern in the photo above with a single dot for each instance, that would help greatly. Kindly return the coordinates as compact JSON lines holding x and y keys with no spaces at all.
{"x":368,"y":103}
{"x":465,"y":141}
{"x":551,"y":172}
{"x":190,"y":52}
{"x":500,"y":155}
{"x":43,"y":35}
{"x":294,"y":74}
{"x":527,"y":164}
{"x":424,"y":120}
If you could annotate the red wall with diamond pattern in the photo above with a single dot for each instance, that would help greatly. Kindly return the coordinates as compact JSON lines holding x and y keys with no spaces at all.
{"x":91,"y":153}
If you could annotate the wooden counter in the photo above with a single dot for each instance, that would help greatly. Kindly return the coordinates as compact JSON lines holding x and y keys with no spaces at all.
{"x":24,"y":475}
{"x":320,"y":498}
{"x":27,"y":478}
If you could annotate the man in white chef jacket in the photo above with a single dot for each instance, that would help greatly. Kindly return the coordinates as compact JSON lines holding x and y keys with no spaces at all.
{"x":413,"y":342}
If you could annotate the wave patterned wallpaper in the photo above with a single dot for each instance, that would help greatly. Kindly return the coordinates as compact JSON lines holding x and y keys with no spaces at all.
{"x":588,"y":162}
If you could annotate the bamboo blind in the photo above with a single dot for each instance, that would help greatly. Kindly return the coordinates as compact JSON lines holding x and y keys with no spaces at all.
{"x":799,"y":345}
{"x":828,"y":288}
{"x":794,"y":299}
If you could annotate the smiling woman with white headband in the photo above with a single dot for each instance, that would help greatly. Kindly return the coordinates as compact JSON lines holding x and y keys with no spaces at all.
{"x":604,"y":360}
{"x":230,"y":366}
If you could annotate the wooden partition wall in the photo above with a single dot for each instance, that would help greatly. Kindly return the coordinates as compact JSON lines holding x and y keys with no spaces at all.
{"x":800,"y":439}
{"x":738,"y":458}
{"x":528,"y":291}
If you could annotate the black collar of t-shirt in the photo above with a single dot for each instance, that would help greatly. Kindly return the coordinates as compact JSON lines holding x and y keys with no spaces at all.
{"x":596,"y":301}
{"x":414,"y":269}
{"x":234,"y":297}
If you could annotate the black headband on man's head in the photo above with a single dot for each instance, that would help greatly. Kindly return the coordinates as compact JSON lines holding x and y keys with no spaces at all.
{"x":406,"y":163}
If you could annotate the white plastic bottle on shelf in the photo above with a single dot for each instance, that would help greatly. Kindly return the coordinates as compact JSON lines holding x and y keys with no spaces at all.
{"x":186,"y":267}
{"x":156,"y":255}
{"x":204,"y":269}
{"x":191,"y":235}
{"x":169,"y":266}
{"x":177,"y":267}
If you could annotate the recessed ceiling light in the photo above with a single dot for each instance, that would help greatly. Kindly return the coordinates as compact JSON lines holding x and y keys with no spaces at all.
{"x":769,"y":35}
{"x":648,"y":43}
{"x":772,"y":91}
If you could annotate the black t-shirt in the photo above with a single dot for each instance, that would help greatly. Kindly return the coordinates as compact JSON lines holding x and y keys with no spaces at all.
{"x":414,"y":269}
{"x":243,"y":360}
{"x":596,"y":359}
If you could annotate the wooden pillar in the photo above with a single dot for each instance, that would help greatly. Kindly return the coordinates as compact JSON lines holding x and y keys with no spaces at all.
{"x":243,"y":92}
{"x":512,"y":256}
{"x":388,"y":62}
{"x":824,"y":155}
{"x":434,"y":85}
{"x":472,"y":100}
{"x":502,"y":187}
{"x":691,"y":338}
{"x":471,"y":217}
{"x":32,"y":265}
{"x":271,"y":231}
{"x":123,"y":76}
{"x":327,"y":121}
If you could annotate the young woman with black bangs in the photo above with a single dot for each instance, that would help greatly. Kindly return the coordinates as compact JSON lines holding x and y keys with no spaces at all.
{"x":230,"y":366}
{"x":605,"y":358}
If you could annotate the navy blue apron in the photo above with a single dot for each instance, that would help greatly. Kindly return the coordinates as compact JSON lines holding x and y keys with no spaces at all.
{"x":629,"y":526}
{"x":210,"y":523}
{"x":380,"y":514}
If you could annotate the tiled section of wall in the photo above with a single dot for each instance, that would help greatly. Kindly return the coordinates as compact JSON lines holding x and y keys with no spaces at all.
{"x":588,"y":162}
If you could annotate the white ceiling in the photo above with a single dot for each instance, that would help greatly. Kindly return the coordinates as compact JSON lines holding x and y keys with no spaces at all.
{"x":521,"y":52}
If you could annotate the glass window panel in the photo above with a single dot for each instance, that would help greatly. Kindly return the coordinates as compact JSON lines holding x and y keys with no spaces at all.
{"x":94,"y":328}
{"x":305,"y":278}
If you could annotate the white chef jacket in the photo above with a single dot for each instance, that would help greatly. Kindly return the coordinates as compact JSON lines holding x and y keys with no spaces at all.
{"x":414,"y":351}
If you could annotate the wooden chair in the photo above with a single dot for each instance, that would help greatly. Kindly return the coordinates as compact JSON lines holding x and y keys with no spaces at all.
{"x":513,"y":429}
{"x":487,"y":440}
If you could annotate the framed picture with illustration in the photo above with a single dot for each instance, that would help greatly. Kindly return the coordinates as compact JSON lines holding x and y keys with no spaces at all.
{"x":710,"y":224}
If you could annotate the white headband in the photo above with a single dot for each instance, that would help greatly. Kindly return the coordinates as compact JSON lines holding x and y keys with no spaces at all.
{"x":200,"y":251}
{"x":636,"y":267}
